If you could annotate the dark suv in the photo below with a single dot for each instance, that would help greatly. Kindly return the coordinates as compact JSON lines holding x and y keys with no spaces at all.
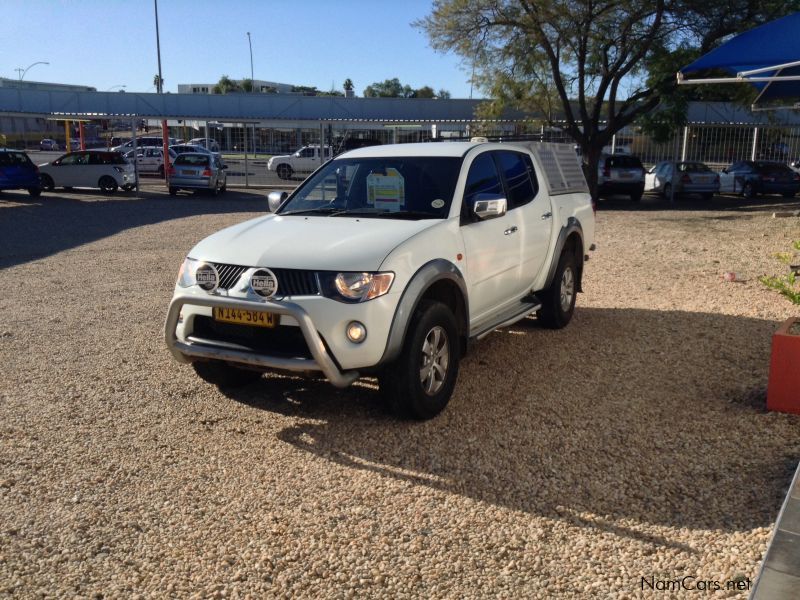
{"x":620,"y":174}
{"x":753,"y":177}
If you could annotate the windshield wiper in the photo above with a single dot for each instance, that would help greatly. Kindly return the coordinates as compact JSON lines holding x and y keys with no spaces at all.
{"x":383,"y":213}
{"x":322,"y":210}
{"x":408,"y":214}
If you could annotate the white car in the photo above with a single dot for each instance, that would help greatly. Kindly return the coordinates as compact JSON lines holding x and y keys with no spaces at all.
{"x":91,"y":168}
{"x":305,"y":160}
{"x":390,"y":261}
{"x":150,"y":160}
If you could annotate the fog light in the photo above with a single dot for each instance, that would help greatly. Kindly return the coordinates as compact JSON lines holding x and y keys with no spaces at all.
{"x":356,"y":332}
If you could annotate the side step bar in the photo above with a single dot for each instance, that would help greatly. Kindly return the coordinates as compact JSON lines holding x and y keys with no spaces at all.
{"x":529,"y":304}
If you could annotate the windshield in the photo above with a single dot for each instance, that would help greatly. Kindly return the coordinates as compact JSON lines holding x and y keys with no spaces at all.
{"x":417,"y":187}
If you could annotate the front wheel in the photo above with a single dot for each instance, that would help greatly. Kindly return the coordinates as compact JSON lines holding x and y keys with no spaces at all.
{"x":47,"y":183}
{"x":558,"y":301}
{"x":107,"y":184}
{"x":35,"y":191}
{"x":224,"y":375}
{"x":284,"y":171}
{"x":420,"y":382}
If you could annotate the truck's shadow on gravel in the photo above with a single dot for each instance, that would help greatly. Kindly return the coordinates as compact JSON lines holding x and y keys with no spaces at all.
{"x":33,"y":228}
{"x":654,"y":418}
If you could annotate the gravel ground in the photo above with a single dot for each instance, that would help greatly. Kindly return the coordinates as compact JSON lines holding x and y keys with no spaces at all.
{"x":634,"y":443}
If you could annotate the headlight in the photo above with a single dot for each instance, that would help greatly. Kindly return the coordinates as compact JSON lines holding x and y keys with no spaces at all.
{"x":187,"y":271}
{"x":355,"y":287}
{"x":195,"y":272}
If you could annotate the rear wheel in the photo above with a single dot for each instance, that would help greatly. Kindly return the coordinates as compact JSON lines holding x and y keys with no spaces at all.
{"x":636,"y":196}
{"x":47,"y":183}
{"x":173,"y":191}
{"x":748,"y":191}
{"x":35,"y":191}
{"x":224,"y":375}
{"x":161,"y":171}
{"x":667,"y":191}
{"x":107,"y":184}
{"x":420,"y":382}
{"x":284,"y":171}
{"x":558,"y":301}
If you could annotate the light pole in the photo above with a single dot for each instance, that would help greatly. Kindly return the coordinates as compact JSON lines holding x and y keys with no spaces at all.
{"x":252,"y":90}
{"x":23,"y":71}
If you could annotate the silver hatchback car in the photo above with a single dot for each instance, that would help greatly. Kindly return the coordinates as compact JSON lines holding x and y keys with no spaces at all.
{"x":197,"y":171}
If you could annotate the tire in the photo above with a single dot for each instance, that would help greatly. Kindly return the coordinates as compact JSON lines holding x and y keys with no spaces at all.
{"x":558,"y":301}
{"x":667,"y":190}
{"x":788,"y":194}
{"x":635,"y":197}
{"x":214,"y":191}
{"x":284,"y":171}
{"x":224,"y":375}
{"x":35,"y":192}
{"x":161,"y":171}
{"x":748,"y":191}
{"x":107,"y":184}
{"x":420,"y":382}
{"x":173,"y":191}
{"x":707,"y":196}
{"x":224,"y":188}
{"x":48,"y":185}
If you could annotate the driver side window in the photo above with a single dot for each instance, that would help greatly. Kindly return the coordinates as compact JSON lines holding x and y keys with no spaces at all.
{"x":482,"y":180}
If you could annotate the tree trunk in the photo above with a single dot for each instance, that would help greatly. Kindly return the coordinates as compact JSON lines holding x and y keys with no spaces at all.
{"x":591,"y":159}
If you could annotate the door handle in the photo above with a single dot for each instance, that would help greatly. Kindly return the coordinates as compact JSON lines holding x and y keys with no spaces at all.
{"x":546,"y":216}
{"x":510,"y":230}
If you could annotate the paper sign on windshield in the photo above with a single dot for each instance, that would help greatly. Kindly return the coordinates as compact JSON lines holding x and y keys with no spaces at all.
{"x":386,"y":191}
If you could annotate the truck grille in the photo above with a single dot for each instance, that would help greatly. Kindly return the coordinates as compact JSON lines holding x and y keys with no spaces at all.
{"x":291,"y":282}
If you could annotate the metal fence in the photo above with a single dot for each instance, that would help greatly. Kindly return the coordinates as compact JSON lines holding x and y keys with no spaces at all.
{"x":247,"y":147}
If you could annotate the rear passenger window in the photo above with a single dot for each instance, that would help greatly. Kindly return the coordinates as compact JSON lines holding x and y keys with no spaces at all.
{"x":520,"y":179}
{"x":482,"y":180}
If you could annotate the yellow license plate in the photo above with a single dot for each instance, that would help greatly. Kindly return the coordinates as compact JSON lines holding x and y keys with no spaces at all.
{"x":256,"y":318}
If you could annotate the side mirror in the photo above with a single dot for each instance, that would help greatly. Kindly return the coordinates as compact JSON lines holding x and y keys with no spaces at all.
{"x":275,"y":199}
{"x":489,"y":208}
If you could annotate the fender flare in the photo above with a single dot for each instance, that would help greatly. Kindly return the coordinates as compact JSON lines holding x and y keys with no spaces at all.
{"x":572,"y":226}
{"x":430,"y":273}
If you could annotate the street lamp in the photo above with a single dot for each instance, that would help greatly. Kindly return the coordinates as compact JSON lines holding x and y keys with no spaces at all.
{"x":252,"y":90}
{"x":116,"y":86}
{"x":22,"y":71}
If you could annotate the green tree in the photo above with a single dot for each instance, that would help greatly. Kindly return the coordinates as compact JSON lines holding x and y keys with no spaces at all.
{"x":246,"y":85}
{"x":443,"y":94}
{"x":158,"y":82}
{"x":583,"y":64}
{"x":390,"y":88}
{"x":425,"y":91}
{"x":226,"y":85}
{"x":348,"y":84}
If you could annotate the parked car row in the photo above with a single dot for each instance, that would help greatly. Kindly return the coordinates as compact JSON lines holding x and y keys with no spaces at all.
{"x":623,"y":174}
{"x":110,"y":171}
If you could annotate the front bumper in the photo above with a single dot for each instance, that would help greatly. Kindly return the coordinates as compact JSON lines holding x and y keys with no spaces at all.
{"x":321,"y":360}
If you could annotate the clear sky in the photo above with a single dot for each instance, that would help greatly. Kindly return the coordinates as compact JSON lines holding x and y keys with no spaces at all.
{"x":107,"y":43}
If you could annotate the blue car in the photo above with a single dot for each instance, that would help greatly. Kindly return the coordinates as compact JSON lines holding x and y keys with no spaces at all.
{"x":17,"y":172}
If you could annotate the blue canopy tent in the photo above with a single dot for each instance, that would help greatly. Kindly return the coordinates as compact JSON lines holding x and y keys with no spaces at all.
{"x":767,"y":57}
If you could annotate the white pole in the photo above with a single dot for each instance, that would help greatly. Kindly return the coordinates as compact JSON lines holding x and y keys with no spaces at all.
{"x":755,"y":143}
{"x":685,"y":143}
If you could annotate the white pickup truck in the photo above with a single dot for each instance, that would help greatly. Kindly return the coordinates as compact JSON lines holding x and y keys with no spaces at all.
{"x":305,"y":160}
{"x":388,"y":261}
